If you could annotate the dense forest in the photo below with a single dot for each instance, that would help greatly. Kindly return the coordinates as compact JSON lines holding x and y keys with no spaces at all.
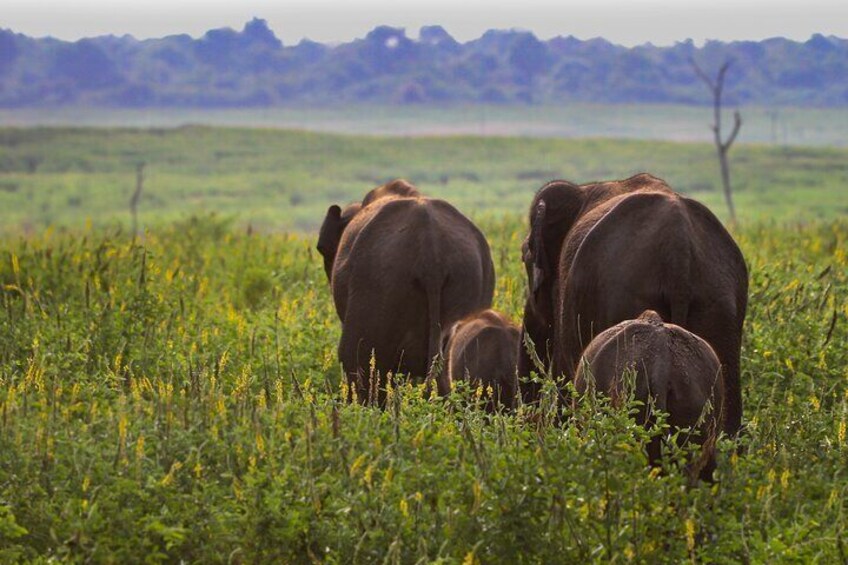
{"x":252,"y":67}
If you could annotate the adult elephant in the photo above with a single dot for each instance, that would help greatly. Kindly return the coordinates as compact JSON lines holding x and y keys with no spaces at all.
{"x":601,"y":253}
{"x":401,"y":267}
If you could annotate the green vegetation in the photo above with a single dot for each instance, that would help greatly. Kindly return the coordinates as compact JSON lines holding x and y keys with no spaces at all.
{"x":178,"y":398}
{"x":284,"y":180}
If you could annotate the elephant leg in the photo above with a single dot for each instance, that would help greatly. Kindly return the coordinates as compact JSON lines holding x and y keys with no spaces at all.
{"x":355,"y":362}
{"x":707,"y":463}
{"x":578,"y":326}
{"x":356,"y":349}
{"x":529,"y":390}
{"x":729,"y":353}
{"x":724,"y":334}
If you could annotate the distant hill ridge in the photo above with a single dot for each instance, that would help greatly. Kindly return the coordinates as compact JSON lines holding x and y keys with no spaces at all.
{"x":252,"y":67}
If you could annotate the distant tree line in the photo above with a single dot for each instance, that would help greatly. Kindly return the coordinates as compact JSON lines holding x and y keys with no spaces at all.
{"x":252,"y":67}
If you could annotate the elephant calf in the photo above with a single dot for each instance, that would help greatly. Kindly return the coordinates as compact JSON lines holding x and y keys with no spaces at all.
{"x":675,"y":369}
{"x":483,"y":348}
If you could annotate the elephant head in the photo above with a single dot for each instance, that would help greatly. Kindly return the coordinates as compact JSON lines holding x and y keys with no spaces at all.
{"x":398,"y":187}
{"x":330,"y":235}
{"x":337,"y":219}
{"x":554,"y":210}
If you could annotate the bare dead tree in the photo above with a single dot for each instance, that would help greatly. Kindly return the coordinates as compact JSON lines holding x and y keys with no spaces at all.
{"x":722,"y":147}
{"x":139,"y":186}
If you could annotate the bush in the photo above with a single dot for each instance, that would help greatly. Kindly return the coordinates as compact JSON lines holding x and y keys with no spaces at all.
{"x":180,"y":400}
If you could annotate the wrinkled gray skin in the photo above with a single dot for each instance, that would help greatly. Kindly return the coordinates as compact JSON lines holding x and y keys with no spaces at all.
{"x":675,"y":371}
{"x":483,"y":348}
{"x":601,"y":253}
{"x":401,"y":267}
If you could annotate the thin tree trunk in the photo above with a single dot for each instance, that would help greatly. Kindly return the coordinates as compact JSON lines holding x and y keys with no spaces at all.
{"x":725,"y":181}
{"x":722,"y":147}
{"x":139,"y":186}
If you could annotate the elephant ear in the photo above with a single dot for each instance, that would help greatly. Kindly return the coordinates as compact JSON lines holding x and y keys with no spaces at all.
{"x":330,"y":235}
{"x":539,"y":256}
{"x":556,"y":208}
{"x":331,"y":232}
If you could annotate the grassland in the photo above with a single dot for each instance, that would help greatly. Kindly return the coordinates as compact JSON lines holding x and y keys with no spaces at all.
{"x":178,"y":399}
{"x":775,"y":126}
{"x":284,"y":180}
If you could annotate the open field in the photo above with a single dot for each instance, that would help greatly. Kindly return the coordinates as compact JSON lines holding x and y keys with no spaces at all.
{"x":284,"y":180}
{"x":777,"y":126}
{"x":177,"y":397}
{"x":178,"y":400}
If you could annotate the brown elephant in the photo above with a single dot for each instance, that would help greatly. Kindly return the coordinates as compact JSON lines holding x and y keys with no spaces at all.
{"x":675,"y":371}
{"x":401,"y":268}
{"x":483,"y":348}
{"x":601,"y":253}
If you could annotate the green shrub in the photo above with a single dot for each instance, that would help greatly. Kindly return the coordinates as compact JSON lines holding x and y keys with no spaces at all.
{"x":178,"y":398}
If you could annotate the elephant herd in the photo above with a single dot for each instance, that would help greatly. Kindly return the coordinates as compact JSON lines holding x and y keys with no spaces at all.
{"x":623,"y":276}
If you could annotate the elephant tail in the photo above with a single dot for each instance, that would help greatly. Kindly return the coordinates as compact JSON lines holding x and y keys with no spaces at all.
{"x":678,"y":276}
{"x":658,"y":402}
{"x":677,"y":273}
{"x":435,"y":369}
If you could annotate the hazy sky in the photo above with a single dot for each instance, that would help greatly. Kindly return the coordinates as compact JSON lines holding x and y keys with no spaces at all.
{"x":661,"y":22}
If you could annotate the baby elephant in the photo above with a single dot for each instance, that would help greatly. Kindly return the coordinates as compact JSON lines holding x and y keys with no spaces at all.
{"x":678,"y":370}
{"x":483,"y":348}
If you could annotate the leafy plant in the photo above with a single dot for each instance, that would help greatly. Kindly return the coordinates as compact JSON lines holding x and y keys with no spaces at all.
{"x":149,"y":409}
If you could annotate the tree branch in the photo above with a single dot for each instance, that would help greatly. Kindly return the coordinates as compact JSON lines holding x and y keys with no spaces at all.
{"x":701,"y":74}
{"x":737,"y":123}
{"x":722,"y":71}
{"x":719,"y":84}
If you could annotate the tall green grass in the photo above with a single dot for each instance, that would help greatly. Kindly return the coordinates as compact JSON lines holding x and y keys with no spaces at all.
{"x":178,"y":398}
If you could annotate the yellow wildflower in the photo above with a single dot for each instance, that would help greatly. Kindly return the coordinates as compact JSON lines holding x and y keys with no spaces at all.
{"x":690,"y":534}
